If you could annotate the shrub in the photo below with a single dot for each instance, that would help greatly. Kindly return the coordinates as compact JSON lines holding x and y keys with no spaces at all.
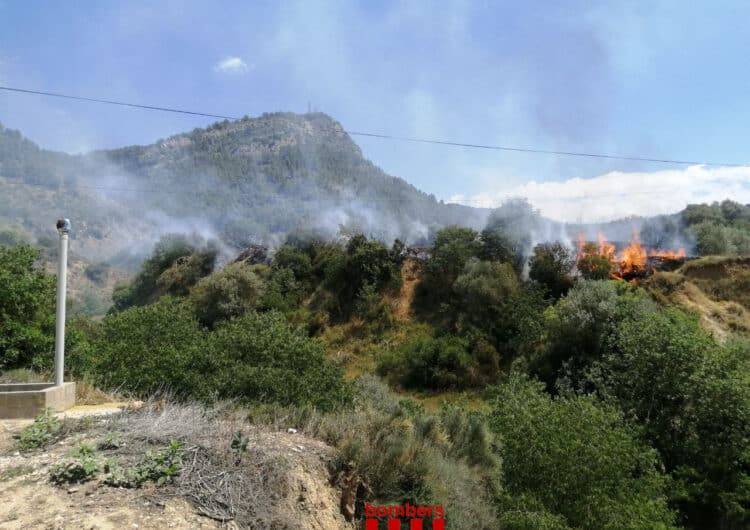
{"x":693,"y":399}
{"x":231,"y":292}
{"x":259,"y":356}
{"x":401,"y":453}
{"x":174,"y":266}
{"x":490,"y":298}
{"x":594,"y":266}
{"x":577,"y":462}
{"x":441,"y":363}
{"x":27,"y":310}
{"x":146,"y":348}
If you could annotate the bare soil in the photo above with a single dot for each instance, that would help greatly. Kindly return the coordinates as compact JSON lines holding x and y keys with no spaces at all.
{"x":30,"y":500}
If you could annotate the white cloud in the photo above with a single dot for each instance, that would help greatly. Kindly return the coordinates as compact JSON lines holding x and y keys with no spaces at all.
{"x":232,"y":65}
{"x":619,"y":194}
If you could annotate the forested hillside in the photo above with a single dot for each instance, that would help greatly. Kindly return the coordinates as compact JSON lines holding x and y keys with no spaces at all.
{"x":523,"y":374}
{"x":520,"y":390}
{"x":249,"y":181}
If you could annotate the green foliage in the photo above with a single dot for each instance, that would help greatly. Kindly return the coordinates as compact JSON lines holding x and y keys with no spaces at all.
{"x":404,"y":454}
{"x":259,"y":356}
{"x":452,"y":248}
{"x":160,"y":466}
{"x":228,"y":293}
{"x":239,"y":445}
{"x":39,"y":434}
{"x":111,"y":440}
{"x":440,"y":363}
{"x":146,"y":348}
{"x":175,"y":265}
{"x":27,"y":310}
{"x":282,"y":291}
{"x":490,"y":298}
{"x":551,"y":265}
{"x":13,"y":236}
{"x":349,"y":273}
{"x":719,"y":228}
{"x":693,"y":399}
{"x":569,"y":462}
{"x":592,"y":265}
{"x":252,"y":357}
{"x":80,"y":466}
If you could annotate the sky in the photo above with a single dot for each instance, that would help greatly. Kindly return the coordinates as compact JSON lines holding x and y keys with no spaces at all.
{"x":647,"y":79}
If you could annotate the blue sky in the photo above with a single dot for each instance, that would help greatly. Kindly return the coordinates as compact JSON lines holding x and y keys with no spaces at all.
{"x":654,"y":79}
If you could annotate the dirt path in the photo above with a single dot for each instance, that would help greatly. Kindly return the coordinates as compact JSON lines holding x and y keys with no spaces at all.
{"x":410,"y":276}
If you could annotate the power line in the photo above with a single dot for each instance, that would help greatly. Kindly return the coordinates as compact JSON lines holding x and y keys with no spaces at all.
{"x":391,"y":137}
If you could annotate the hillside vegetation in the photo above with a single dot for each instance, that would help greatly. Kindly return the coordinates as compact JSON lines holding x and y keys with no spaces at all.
{"x":566,"y":402}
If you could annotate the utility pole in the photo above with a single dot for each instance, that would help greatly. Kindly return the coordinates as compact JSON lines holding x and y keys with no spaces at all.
{"x":63,"y":228}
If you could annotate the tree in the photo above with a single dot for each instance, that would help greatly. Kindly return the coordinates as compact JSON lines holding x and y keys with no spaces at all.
{"x":509,"y":229}
{"x":27,"y":309}
{"x":175,"y":265}
{"x":573,"y":463}
{"x":592,"y":265}
{"x":452,"y":248}
{"x":578,"y":327}
{"x":692,"y":398}
{"x":364,"y":266}
{"x":710,"y":238}
{"x":228,"y":293}
{"x":551,"y":266}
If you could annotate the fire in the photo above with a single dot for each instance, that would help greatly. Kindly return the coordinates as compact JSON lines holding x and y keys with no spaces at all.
{"x":668,"y":254}
{"x":632,"y":259}
{"x":631,"y":262}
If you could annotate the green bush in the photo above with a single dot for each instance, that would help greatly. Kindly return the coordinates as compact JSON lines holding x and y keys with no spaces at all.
{"x":693,"y":399}
{"x":259,"y":356}
{"x":441,"y":363}
{"x":147,"y":348}
{"x":252,"y":357}
{"x":403,"y":454}
{"x":175,"y":265}
{"x":573,"y":463}
{"x":27,"y":309}
{"x":551,"y":265}
{"x":228,"y":293}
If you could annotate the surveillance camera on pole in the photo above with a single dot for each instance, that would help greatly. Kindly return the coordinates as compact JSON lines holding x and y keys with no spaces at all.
{"x":63,"y":228}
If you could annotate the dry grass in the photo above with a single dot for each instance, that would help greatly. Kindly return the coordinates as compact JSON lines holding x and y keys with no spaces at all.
{"x":253,"y":488}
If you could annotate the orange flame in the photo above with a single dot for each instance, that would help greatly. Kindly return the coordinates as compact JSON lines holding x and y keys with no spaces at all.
{"x":630,"y":261}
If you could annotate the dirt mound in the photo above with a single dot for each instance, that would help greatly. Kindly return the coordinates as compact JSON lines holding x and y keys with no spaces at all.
{"x":281,"y":480}
{"x":714,"y":267}
{"x":716,"y":288}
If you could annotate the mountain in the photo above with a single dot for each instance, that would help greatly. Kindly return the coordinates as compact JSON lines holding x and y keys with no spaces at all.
{"x":246,"y":181}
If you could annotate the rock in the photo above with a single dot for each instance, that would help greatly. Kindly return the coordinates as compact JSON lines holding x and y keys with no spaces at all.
{"x":72,"y":490}
{"x":291,"y":431}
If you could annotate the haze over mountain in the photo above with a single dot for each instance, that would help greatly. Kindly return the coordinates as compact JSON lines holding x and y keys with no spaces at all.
{"x":249,"y":181}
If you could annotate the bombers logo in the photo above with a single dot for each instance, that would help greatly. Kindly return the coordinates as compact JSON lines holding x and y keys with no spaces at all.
{"x":394,"y":514}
